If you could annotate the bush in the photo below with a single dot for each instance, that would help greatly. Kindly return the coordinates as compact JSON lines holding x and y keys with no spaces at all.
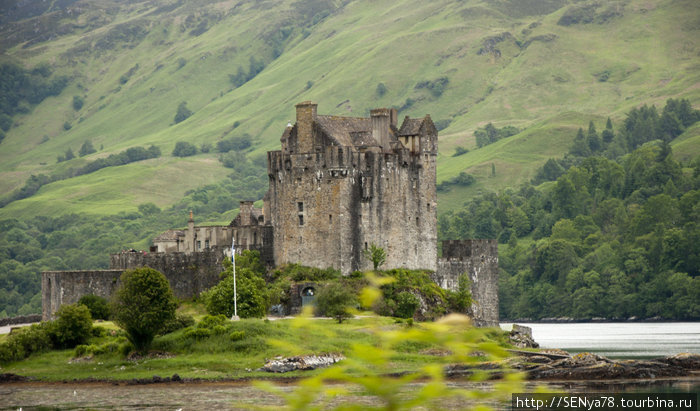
{"x":237,"y":335}
{"x":78,"y":103}
{"x":183,"y":113}
{"x":98,"y":306}
{"x":73,"y":326}
{"x":459,"y":151}
{"x":26,"y":341}
{"x":179,"y":322}
{"x":184,"y":149}
{"x":253,"y":299}
{"x":461,"y":300}
{"x":142,"y":305}
{"x":335,"y":300}
{"x":406,"y":305}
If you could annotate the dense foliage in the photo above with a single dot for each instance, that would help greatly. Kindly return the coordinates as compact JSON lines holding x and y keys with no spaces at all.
{"x":490,"y":134}
{"x":142,"y":305}
{"x":21,"y":89}
{"x":72,"y":326}
{"x":336,"y":300}
{"x":615,"y":235}
{"x":252,"y":296}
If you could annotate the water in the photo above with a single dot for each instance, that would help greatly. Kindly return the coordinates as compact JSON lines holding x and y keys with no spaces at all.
{"x":618,"y":340}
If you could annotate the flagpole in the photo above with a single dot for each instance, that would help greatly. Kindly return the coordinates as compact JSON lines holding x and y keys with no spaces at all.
{"x":235,"y":294}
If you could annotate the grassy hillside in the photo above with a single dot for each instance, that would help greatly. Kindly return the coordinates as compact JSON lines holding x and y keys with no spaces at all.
{"x":546,"y":67}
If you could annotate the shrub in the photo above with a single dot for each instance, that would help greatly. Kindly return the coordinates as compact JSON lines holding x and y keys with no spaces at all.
{"x":459,"y":151}
{"x":406,"y":304}
{"x":86,"y":148}
{"x":78,"y":103}
{"x":183,"y":113}
{"x":376,"y":255}
{"x":381,"y":90}
{"x":73,"y":325}
{"x":237,"y":335}
{"x":179,"y":322}
{"x":142,"y":305}
{"x":252,"y":300}
{"x":26,"y":341}
{"x":98,"y":306}
{"x":461,"y":300}
{"x":335,"y":300}
{"x":184,"y":149}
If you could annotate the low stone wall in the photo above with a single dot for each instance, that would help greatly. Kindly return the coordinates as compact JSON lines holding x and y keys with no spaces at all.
{"x":188,"y":274}
{"x":66,"y":287}
{"x":478,"y":259}
{"x":21,"y":319}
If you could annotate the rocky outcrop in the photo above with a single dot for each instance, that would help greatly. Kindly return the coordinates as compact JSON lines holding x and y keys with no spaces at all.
{"x":302,"y":362}
{"x":588,"y":366}
{"x":521,"y":337}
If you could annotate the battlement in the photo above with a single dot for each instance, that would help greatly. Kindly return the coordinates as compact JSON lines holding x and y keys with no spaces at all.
{"x":461,"y":249}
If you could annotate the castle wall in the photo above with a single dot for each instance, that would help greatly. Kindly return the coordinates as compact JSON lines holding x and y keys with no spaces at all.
{"x":328,"y":207}
{"x":66,"y":287}
{"x":188,"y":273}
{"x":479,"y":259}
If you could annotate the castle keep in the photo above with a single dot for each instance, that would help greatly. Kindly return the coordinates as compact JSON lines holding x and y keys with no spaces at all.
{"x":336,"y":186}
{"x":340,"y":184}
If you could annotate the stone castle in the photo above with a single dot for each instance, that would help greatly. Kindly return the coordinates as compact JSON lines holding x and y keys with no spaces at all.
{"x":337,"y":186}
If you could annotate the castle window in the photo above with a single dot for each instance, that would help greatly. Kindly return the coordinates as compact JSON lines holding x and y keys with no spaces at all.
{"x":417,"y":220}
{"x":301,"y":219}
{"x":428,"y":206}
{"x":330,"y":218}
{"x":300,"y":206}
{"x":199,"y":245}
{"x":255,"y":238}
{"x":206,"y":244}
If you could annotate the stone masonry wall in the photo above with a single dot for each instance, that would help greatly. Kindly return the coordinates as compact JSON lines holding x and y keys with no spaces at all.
{"x":479,"y":259}
{"x":188,"y":273}
{"x":66,"y":287}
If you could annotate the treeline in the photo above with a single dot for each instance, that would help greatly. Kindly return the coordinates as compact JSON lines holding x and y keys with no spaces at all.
{"x":35,"y":182}
{"x":608,"y":237}
{"x":21,"y":89}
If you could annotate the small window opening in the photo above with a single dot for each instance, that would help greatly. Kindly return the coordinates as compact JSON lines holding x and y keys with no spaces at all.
{"x":330,"y":218}
{"x":301,"y":219}
{"x":428,"y":206}
{"x":365,"y":245}
{"x":206,"y":244}
{"x":300,"y":206}
{"x":417,"y":220}
{"x":199,"y":245}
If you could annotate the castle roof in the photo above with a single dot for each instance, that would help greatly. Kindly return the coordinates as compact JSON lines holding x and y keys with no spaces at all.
{"x":170,"y":235}
{"x":411,"y":126}
{"x":347,"y":131}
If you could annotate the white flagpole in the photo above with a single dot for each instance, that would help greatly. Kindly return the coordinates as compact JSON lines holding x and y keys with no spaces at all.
{"x":235,"y":294}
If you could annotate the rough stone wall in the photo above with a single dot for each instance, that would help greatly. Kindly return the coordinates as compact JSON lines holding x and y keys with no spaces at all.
{"x":327,"y":207}
{"x":188,"y":273}
{"x":258,"y":238}
{"x":66,"y":287}
{"x":479,"y":259}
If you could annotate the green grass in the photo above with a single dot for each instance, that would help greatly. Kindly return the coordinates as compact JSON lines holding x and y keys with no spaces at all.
{"x":548,"y":88}
{"x":217,"y":357}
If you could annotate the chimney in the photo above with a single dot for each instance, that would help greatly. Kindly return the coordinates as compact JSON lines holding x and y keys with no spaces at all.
{"x":381,"y":118}
{"x":393,"y":115}
{"x":306,"y":116}
{"x":245,"y":211}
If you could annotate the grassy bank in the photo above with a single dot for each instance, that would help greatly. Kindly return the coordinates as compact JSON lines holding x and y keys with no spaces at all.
{"x":219,"y":356}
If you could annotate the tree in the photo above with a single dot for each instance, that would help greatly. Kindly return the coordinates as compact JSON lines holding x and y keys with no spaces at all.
{"x":184,"y":149}
{"x":98,"y":306}
{"x":335,"y":300}
{"x":142,"y":305}
{"x":252,"y":297}
{"x":182,"y":112}
{"x":78,"y":103}
{"x":461,"y":300}
{"x":69,"y":155}
{"x":73,"y":325}
{"x":376,"y":255}
{"x":86,"y":149}
{"x":381,"y":90}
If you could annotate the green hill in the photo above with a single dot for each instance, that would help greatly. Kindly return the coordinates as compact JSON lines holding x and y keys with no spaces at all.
{"x":545,"y":67}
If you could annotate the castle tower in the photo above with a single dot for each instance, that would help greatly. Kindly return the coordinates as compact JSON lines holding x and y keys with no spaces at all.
{"x":341,"y":184}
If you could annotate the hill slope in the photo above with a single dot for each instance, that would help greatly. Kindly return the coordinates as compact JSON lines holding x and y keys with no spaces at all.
{"x":543,"y":66}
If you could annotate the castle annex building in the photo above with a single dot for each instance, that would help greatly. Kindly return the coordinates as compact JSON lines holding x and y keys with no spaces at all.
{"x":336,"y":186}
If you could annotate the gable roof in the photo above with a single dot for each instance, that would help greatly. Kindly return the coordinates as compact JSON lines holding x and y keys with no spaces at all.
{"x":411,"y":126}
{"x":170,"y":235}
{"x":345,"y":130}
